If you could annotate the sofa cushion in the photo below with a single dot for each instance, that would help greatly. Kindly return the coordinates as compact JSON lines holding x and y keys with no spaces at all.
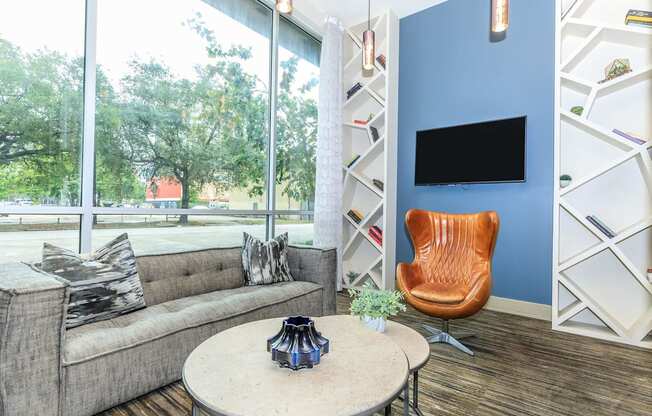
{"x":95,"y":340}
{"x":103,"y":285}
{"x":167,"y":277}
{"x":265,"y":262}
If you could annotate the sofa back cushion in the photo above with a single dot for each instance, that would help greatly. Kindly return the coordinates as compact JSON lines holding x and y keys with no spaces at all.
{"x":167,"y":277}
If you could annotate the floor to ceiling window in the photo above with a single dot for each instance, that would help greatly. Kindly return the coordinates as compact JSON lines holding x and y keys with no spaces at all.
{"x":181,"y":122}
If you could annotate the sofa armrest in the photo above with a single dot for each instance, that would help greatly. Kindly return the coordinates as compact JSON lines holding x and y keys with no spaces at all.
{"x":316,"y":265}
{"x":32,"y":318}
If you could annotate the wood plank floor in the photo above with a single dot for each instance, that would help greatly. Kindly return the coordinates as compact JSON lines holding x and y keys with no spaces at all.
{"x":521,"y":368}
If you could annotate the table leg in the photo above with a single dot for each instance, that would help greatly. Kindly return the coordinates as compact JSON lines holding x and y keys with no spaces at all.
{"x":388,"y":410}
{"x":415,"y":393}
{"x":406,"y":401}
{"x":195,"y":410}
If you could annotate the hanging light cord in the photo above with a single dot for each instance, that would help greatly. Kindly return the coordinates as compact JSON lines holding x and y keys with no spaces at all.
{"x":369,"y":16}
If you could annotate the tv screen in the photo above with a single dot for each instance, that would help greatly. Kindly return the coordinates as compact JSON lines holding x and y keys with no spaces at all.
{"x":492,"y":151}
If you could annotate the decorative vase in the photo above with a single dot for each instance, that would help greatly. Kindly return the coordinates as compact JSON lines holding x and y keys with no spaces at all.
{"x":298,"y":344}
{"x":376,"y":324}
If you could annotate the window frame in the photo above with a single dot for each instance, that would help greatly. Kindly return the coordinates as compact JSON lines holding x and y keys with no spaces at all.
{"x":87,"y":210}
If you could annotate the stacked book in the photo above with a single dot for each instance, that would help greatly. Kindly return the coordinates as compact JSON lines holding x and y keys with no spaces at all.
{"x":379,"y":184}
{"x":355,"y":215}
{"x":639,"y":18}
{"x":630,"y":136}
{"x":382,"y":60}
{"x":601,"y":226}
{"x":351,"y":92}
{"x":360,"y":122}
{"x":376,"y":234}
{"x":352,"y":161}
{"x":374,"y":133}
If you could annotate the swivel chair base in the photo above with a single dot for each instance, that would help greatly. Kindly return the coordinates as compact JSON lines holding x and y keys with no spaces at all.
{"x":443,"y":336}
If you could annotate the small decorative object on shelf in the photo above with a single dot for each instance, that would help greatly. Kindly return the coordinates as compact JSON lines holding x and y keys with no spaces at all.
{"x":379,"y":184}
{"x":355,"y":88}
{"x":649,"y":275}
{"x":352,"y":161}
{"x":298,"y":344}
{"x":381,"y":60}
{"x":601,"y":226}
{"x":374,"y":133}
{"x":361,"y":122}
{"x":374,"y":306}
{"x":565,"y":180}
{"x":577,"y":110}
{"x":352,"y":276}
{"x":639,"y":18}
{"x":355,"y":215}
{"x":376,"y":234}
{"x":632,"y":137}
{"x":617,"y":68}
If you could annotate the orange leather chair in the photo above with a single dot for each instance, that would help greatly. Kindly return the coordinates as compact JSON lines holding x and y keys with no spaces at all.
{"x":450,"y":276}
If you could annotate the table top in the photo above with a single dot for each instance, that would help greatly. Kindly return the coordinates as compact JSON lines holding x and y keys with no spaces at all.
{"x":232,"y":373}
{"x":413,"y":344}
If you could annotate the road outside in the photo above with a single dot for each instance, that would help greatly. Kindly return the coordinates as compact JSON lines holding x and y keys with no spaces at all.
{"x":219,"y":232}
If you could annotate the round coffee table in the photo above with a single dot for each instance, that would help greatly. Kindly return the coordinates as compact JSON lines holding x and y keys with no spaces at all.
{"x":232,"y":373}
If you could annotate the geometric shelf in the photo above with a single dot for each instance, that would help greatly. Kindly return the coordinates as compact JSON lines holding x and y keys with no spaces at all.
{"x":600,"y":284}
{"x":374,"y":143}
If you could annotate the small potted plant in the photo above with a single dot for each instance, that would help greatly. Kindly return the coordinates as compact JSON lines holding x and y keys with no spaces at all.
{"x":565,"y":180}
{"x":374,"y":306}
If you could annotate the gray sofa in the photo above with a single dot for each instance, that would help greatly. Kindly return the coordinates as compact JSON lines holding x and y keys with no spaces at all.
{"x":46,"y":370}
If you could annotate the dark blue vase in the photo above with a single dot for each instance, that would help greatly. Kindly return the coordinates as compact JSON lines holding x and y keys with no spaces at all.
{"x":298,"y":345}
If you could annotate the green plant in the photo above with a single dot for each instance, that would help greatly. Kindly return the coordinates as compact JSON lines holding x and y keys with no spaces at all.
{"x":565,"y":178}
{"x":375,"y":303}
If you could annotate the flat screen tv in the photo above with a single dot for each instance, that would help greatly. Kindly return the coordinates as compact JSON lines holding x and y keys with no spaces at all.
{"x":487,"y":152}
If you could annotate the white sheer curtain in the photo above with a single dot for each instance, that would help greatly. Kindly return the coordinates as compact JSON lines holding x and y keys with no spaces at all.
{"x":328,"y":187}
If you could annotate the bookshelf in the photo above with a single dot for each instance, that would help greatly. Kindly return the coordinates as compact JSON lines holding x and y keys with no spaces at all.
{"x":600,"y":285}
{"x":376,"y":144}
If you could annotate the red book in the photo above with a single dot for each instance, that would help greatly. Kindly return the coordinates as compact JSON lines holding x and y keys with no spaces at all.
{"x":360,"y":122}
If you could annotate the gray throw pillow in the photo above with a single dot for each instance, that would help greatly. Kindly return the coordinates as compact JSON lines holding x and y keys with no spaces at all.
{"x":102,"y":286}
{"x":265,"y":262}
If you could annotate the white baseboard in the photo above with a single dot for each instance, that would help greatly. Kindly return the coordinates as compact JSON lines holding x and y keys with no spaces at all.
{"x":520,"y":308}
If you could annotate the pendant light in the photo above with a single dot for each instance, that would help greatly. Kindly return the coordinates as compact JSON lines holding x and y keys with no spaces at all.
{"x":284,"y":6}
{"x":499,"y":15}
{"x":368,"y":45}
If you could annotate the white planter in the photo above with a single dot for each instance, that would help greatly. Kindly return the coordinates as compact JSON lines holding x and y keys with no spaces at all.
{"x":376,"y":324}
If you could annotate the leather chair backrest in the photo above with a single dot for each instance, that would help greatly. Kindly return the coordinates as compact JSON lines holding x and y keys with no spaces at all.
{"x":452,"y":249}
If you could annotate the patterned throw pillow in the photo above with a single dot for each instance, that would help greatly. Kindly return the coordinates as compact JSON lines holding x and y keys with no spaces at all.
{"x":102,"y":286}
{"x":265,"y":263}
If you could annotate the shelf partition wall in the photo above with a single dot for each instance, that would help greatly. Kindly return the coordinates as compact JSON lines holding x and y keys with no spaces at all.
{"x":603,"y":141}
{"x":369,"y":152}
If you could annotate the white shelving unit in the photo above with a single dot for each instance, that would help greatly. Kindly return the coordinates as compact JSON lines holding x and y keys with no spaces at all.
{"x":600,"y":286}
{"x":378,"y":97}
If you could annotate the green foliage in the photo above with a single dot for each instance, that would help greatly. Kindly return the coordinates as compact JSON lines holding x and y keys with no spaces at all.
{"x":375,"y":303}
{"x":211,"y":129}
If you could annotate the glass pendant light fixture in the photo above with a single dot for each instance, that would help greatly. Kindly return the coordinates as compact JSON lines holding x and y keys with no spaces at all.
{"x":499,"y":15}
{"x":284,"y":6}
{"x":368,"y":45}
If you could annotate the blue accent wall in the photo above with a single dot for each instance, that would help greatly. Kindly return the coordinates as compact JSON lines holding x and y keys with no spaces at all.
{"x":452,"y":73}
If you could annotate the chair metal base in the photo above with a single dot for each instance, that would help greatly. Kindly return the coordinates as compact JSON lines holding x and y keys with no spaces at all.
{"x":442,"y":336}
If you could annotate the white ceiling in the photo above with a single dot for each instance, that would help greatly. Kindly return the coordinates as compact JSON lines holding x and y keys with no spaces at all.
{"x":355,"y":11}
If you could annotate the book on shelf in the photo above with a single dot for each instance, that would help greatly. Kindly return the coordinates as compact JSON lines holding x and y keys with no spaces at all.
{"x":379,"y":184}
{"x":355,"y":215}
{"x":376,"y":234}
{"x":360,"y":122}
{"x":639,"y":18}
{"x":355,"y":88}
{"x":375,"y":136}
{"x":601,"y":226}
{"x":381,"y":60}
{"x":632,"y":137}
{"x":352,"y":161}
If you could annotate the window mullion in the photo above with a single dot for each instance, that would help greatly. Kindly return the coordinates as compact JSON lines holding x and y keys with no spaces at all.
{"x":271,"y":154}
{"x":88,"y":140}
